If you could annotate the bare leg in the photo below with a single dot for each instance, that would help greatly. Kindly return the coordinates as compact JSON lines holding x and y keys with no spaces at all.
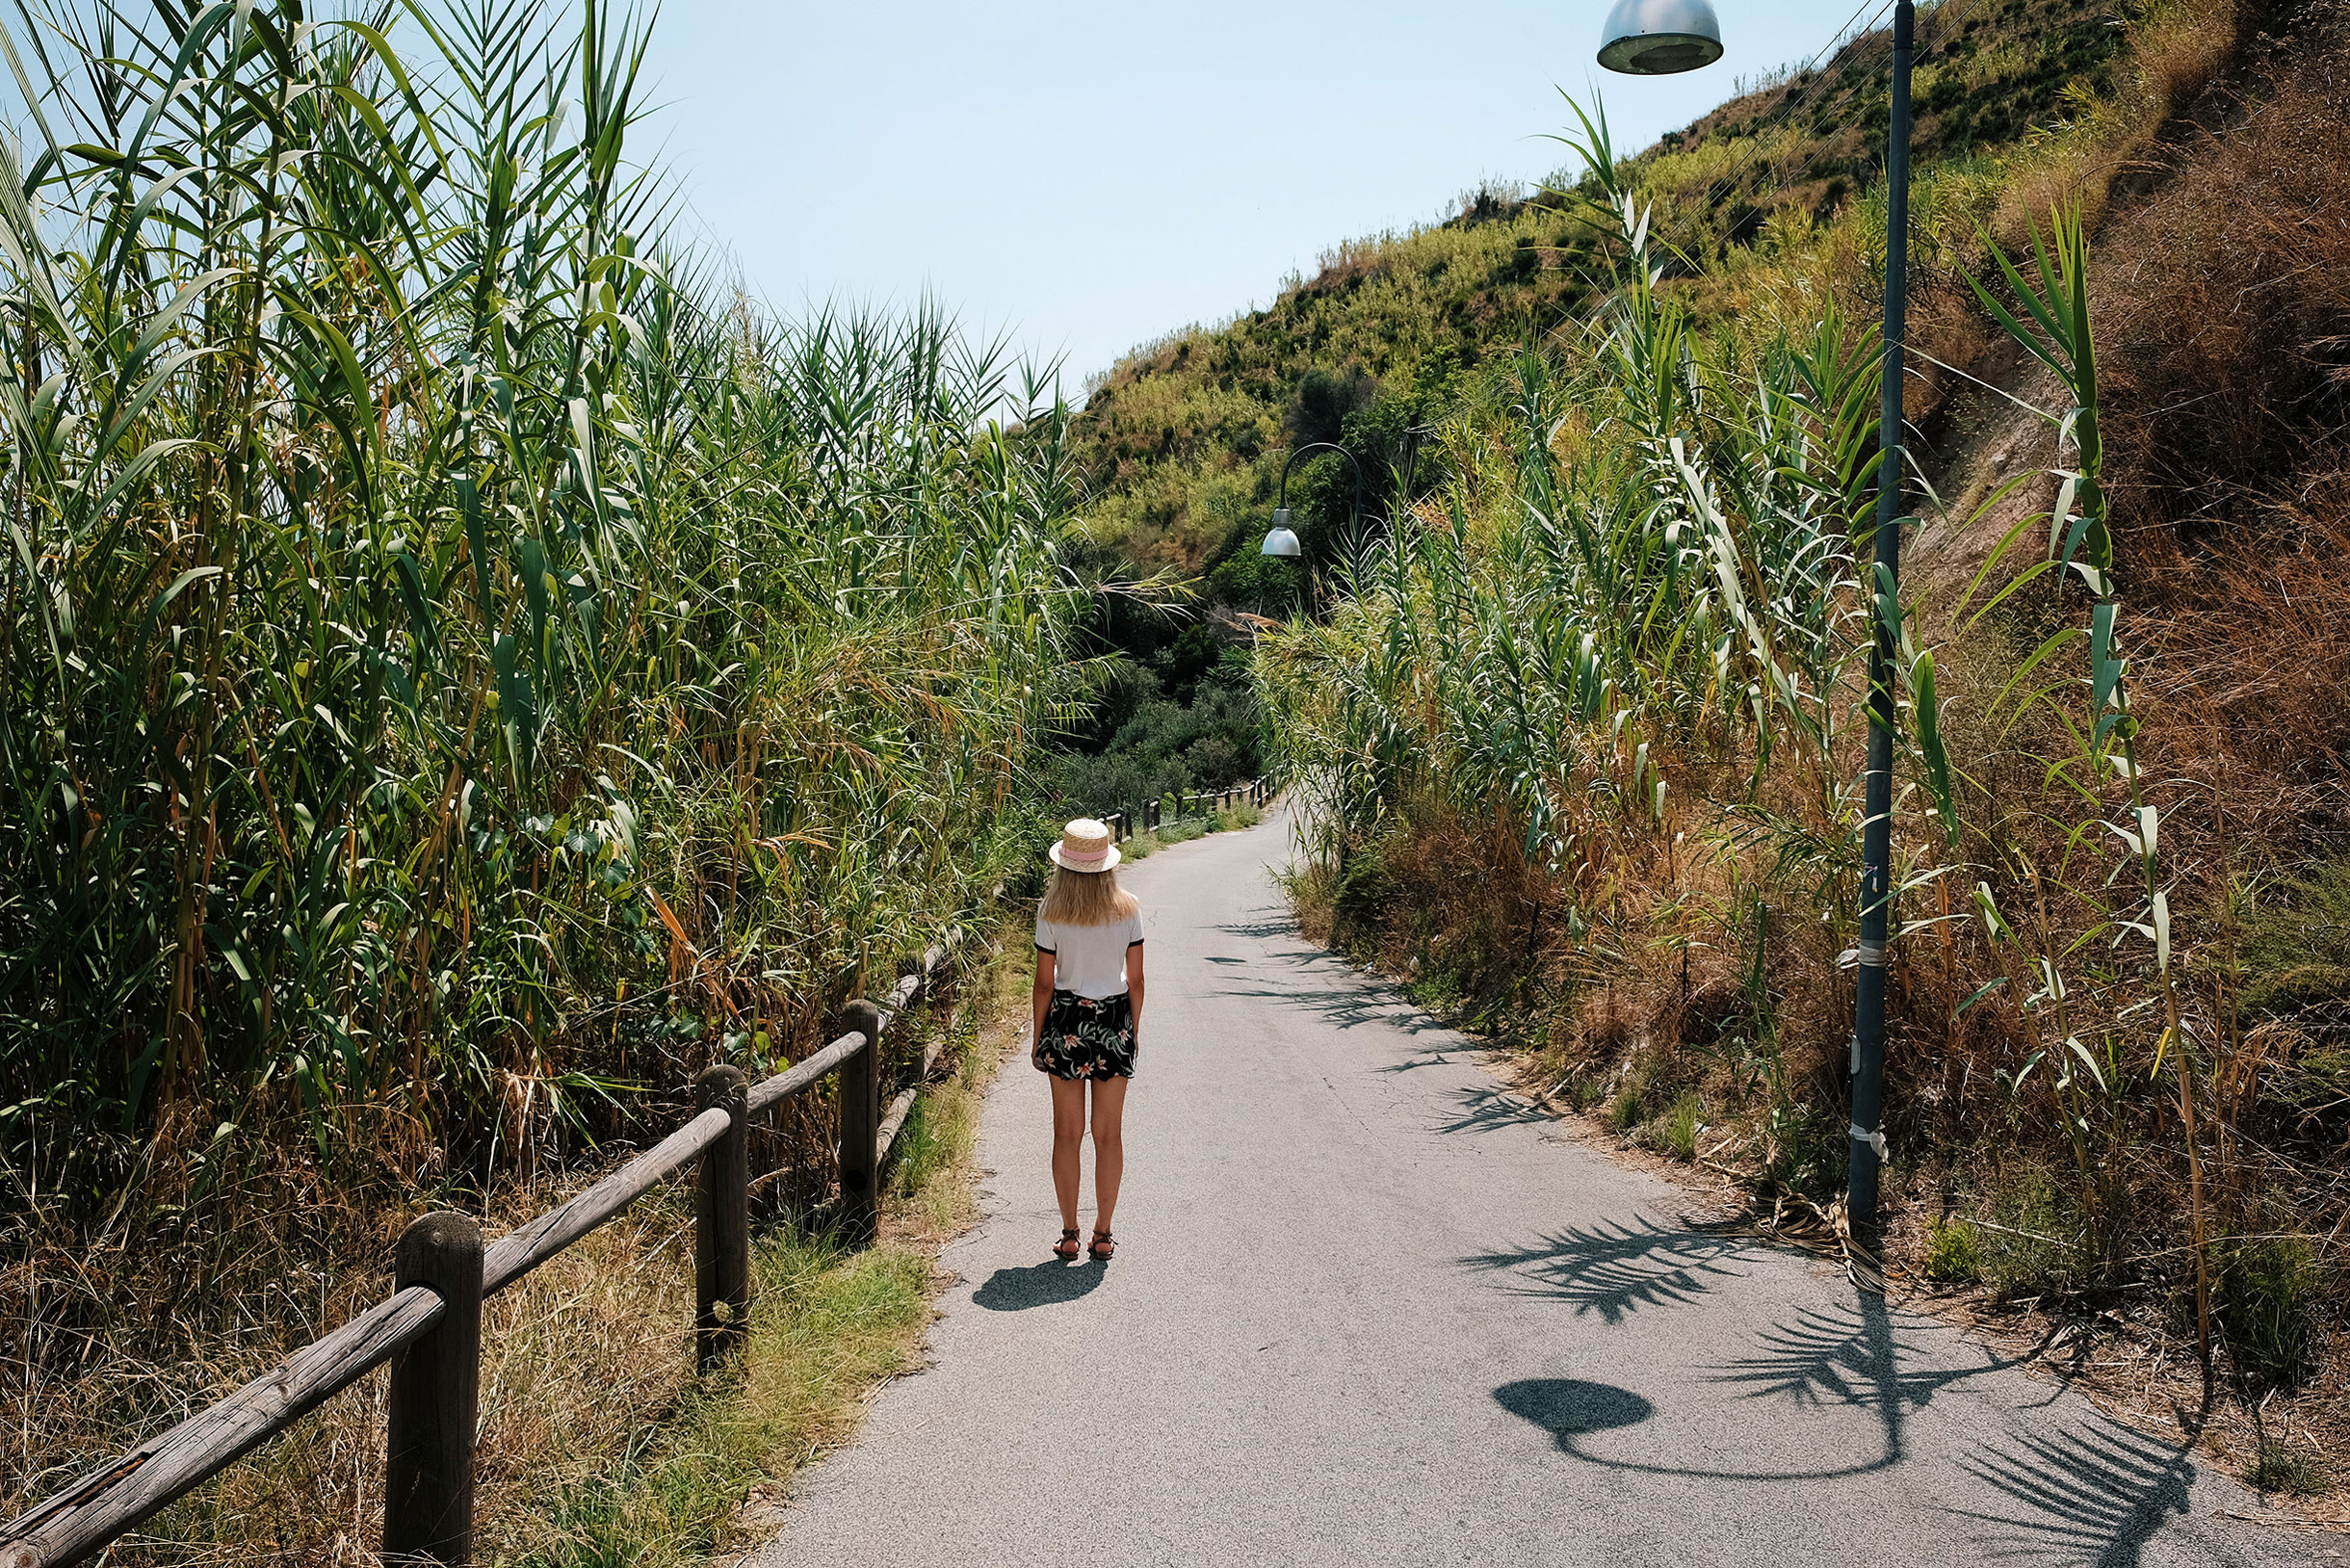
{"x":1108,"y":1148}
{"x":1068,"y":1132}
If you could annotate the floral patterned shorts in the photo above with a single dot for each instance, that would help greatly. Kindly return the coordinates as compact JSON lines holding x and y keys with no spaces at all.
{"x":1087,"y":1038}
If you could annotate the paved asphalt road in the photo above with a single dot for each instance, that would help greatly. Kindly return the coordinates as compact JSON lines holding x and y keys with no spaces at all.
{"x":1368,"y":1309}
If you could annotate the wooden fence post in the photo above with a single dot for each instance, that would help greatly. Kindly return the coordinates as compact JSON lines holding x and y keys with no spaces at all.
{"x":721,"y":1219}
{"x":860,"y":1122}
{"x":434,"y":1402}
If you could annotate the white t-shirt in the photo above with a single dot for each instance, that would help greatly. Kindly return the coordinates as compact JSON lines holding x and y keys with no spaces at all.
{"x":1089,"y":959}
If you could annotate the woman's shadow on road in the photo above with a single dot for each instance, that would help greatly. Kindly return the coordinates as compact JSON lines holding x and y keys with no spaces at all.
{"x":1039,"y":1284}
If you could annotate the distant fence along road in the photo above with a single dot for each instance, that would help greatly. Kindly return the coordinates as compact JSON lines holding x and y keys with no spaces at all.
{"x":430,"y":1327}
{"x":1143,"y":818}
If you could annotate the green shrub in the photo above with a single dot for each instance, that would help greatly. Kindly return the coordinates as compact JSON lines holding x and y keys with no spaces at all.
{"x":1144,"y":744}
{"x":1803,"y":1147}
{"x":1953,"y":1252}
{"x":2277,"y":1468}
{"x":1361,"y":893}
{"x":2295,"y":954}
{"x":1439,"y":986}
{"x":1674,"y":1130}
{"x":2269,"y":1293}
{"x":2031,"y":1244}
{"x":1625,"y":1111}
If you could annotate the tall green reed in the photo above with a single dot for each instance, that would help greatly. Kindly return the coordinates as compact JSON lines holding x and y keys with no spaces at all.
{"x":1669,"y":566}
{"x":2091,"y":1076}
{"x":458,"y":646}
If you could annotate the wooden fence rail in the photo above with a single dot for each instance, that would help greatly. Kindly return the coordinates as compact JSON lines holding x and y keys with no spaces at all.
{"x":429,"y":1328}
{"x":1146,"y":817}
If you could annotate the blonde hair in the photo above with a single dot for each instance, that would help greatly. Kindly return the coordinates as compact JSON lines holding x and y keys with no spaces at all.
{"x":1086,"y":897}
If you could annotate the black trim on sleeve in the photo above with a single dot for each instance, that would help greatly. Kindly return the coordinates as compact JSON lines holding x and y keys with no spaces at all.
{"x":1041,"y":948}
{"x":1135,"y":943}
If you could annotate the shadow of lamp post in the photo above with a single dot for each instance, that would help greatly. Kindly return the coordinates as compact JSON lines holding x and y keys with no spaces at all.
{"x":1657,"y":37}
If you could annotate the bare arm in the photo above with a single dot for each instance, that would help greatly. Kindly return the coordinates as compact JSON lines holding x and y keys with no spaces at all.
{"x":1134,"y":982}
{"x":1041,"y":998}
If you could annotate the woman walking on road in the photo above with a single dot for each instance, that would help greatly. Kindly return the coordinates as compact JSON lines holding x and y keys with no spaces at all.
{"x":1087,"y":1005}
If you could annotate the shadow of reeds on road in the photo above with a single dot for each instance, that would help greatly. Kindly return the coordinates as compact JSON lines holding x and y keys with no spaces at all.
{"x":1038,"y":1285}
{"x":1440,"y":1056}
{"x":2093,"y":1495}
{"x":1483,"y":1109}
{"x":1855,"y":1354}
{"x":1852,"y":1354}
{"x":1279,"y":924}
{"x":1616,"y":1270}
{"x":1347,"y":1006}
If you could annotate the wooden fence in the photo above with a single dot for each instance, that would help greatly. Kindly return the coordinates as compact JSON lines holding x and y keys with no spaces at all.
{"x":429,"y":1328}
{"x":1146,"y":817}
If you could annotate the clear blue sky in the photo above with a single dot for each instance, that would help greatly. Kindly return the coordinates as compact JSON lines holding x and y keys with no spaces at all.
{"x":1089,"y":176}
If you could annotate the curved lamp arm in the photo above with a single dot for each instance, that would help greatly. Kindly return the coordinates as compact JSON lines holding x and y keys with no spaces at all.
{"x":1281,"y":503}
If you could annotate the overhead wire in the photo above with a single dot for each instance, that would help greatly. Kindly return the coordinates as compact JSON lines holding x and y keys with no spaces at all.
{"x":1947,"y":27}
{"x":1855,"y":76}
{"x":1852,"y":77}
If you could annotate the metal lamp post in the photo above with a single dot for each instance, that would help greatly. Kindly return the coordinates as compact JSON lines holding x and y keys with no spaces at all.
{"x":1283,"y":541}
{"x":1652,"y":37}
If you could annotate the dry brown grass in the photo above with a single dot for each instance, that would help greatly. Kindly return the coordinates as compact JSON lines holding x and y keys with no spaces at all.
{"x":2180,"y":53}
{"x":586,"y":1361}
{"x":595,"y":1343}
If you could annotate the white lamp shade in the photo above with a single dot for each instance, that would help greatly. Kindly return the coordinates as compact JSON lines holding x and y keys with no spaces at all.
{"x":1281,"y":542}
{"x":1660,"y":37}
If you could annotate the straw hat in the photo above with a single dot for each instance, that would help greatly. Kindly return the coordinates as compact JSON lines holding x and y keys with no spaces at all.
{"x":1085,"y":846}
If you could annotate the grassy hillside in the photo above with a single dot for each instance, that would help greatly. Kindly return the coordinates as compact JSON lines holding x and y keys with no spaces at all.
{"x":1183,"y":437}
{"x":1581,"y":734}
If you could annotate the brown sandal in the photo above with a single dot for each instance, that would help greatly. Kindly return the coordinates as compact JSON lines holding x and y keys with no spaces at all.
{"x":1065,"y":1249}
{"x":1105,"y":1247}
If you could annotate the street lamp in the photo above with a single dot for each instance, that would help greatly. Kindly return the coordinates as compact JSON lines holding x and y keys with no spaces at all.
{"x":1656,"y":36}
{"x":1282,"y":541}
{"x":1660,"y":37}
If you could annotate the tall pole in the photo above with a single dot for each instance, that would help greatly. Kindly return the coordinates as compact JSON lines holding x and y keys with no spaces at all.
{"x":1876,"y":832}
